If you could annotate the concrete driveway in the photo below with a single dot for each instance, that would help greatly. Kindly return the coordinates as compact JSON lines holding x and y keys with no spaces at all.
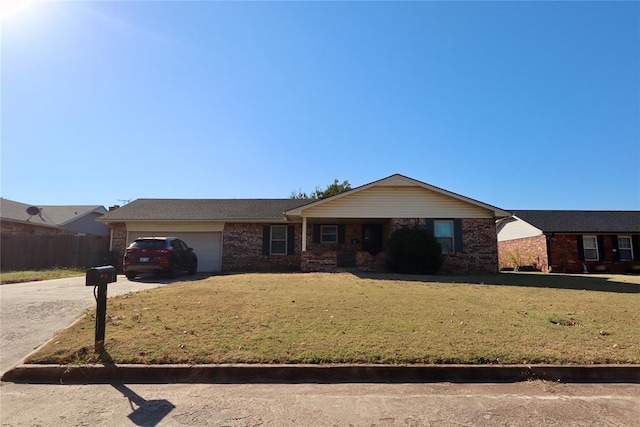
{"x":31,"y":313}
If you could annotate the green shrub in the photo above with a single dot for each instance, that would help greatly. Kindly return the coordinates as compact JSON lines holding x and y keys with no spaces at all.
{"x":413,"y":251}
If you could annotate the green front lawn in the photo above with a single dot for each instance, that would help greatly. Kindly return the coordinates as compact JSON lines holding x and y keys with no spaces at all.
{"x":346,"y":318}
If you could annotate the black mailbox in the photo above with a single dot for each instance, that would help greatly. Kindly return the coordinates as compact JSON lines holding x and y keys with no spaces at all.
{"x":101,"y":275}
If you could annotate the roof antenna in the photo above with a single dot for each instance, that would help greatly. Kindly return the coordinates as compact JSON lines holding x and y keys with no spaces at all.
{"x":124,"y":201}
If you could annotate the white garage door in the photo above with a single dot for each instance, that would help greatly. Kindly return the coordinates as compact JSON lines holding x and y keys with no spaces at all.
{"x":207,"y":246}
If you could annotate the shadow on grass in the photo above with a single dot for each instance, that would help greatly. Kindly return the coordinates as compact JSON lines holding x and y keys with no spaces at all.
{"x":600,"y":283}
{"x":154,"y":278}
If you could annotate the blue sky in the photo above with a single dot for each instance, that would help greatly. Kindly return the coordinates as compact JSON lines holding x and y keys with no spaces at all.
{"x":522,"y":105}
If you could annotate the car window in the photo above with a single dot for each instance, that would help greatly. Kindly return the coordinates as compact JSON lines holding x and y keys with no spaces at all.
{"x":178,"y":245}
{"x":147,"y":244}
{"x":183,"y":245}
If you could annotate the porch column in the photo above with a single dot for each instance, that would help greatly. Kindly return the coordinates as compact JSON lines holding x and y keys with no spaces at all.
{"x":304,"y":233}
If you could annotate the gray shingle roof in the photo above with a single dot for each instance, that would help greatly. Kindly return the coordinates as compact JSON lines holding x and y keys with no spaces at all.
{"x":61,"y":215}
{"x":50,"y":215}
{"x":16,"y":211}
{"x":203,"y":210}
{"x":550,"y":221}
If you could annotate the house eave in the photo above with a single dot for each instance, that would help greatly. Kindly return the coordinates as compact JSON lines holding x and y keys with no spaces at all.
{"x":228,"y":220}
{"x":27,"y":222}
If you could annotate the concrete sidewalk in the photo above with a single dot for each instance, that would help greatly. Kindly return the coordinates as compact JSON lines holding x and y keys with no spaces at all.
{"x":257,"y":373}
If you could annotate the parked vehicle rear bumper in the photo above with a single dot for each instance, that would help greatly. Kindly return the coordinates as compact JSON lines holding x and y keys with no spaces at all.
{"x":145,"y":268}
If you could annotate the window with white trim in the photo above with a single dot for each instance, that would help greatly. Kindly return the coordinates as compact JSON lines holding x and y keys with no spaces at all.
{"x":278,"y":240}
{"x":590,"y":247}
{"x":328,"y":233}
{"x":625,"y":248}
{"x":443,"y":232}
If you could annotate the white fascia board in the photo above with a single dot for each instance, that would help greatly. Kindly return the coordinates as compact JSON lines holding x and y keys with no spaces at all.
{"x":174,"y":226}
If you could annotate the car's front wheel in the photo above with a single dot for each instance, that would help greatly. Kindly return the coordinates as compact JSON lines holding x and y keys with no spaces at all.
{"x":173,"y":270}
{"x":194,"y":268}
{"x":131,"y":275}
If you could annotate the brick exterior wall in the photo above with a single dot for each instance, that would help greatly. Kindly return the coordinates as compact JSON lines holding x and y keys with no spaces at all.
{"x":561,"y":253}
{"x":324,"y":257}
{"x":529,"y":251}
{"x":352,"y":240}
{"x":565,"y":256}
{"x":242,"y":250}
{"x":367,"y":262}
{"x":479,"y":248}
{"x":479,"y":245}
{"x":118,"y":237}
{"x":118,"y":243}
{"x":479,"y":254}
{"x":326,"y":261}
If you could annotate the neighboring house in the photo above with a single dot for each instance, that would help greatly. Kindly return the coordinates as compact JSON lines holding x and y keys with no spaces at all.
{"x":21,"y":218}
{"x":571,"y":241}
{"x":347,"y":230}
{"x":78,"y":219}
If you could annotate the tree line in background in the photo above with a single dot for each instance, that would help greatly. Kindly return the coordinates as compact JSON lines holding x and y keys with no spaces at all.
{"x":331,"y":190}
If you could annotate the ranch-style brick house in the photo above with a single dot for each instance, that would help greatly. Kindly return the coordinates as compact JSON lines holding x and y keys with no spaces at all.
{"x":345,"y":231}
{"x":569,"y":241}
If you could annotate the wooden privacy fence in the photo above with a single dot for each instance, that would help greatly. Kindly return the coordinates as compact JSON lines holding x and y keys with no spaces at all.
{"x":33,"y":252}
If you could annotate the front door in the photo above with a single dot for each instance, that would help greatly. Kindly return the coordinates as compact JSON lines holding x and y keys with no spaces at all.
{"x":372,"y":238}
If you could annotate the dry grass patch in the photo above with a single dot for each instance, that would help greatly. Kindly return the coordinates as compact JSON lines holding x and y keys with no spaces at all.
{"x":344,"y":318}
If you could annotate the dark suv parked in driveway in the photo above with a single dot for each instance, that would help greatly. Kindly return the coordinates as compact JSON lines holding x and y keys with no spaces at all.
{"x":167,"y":255}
